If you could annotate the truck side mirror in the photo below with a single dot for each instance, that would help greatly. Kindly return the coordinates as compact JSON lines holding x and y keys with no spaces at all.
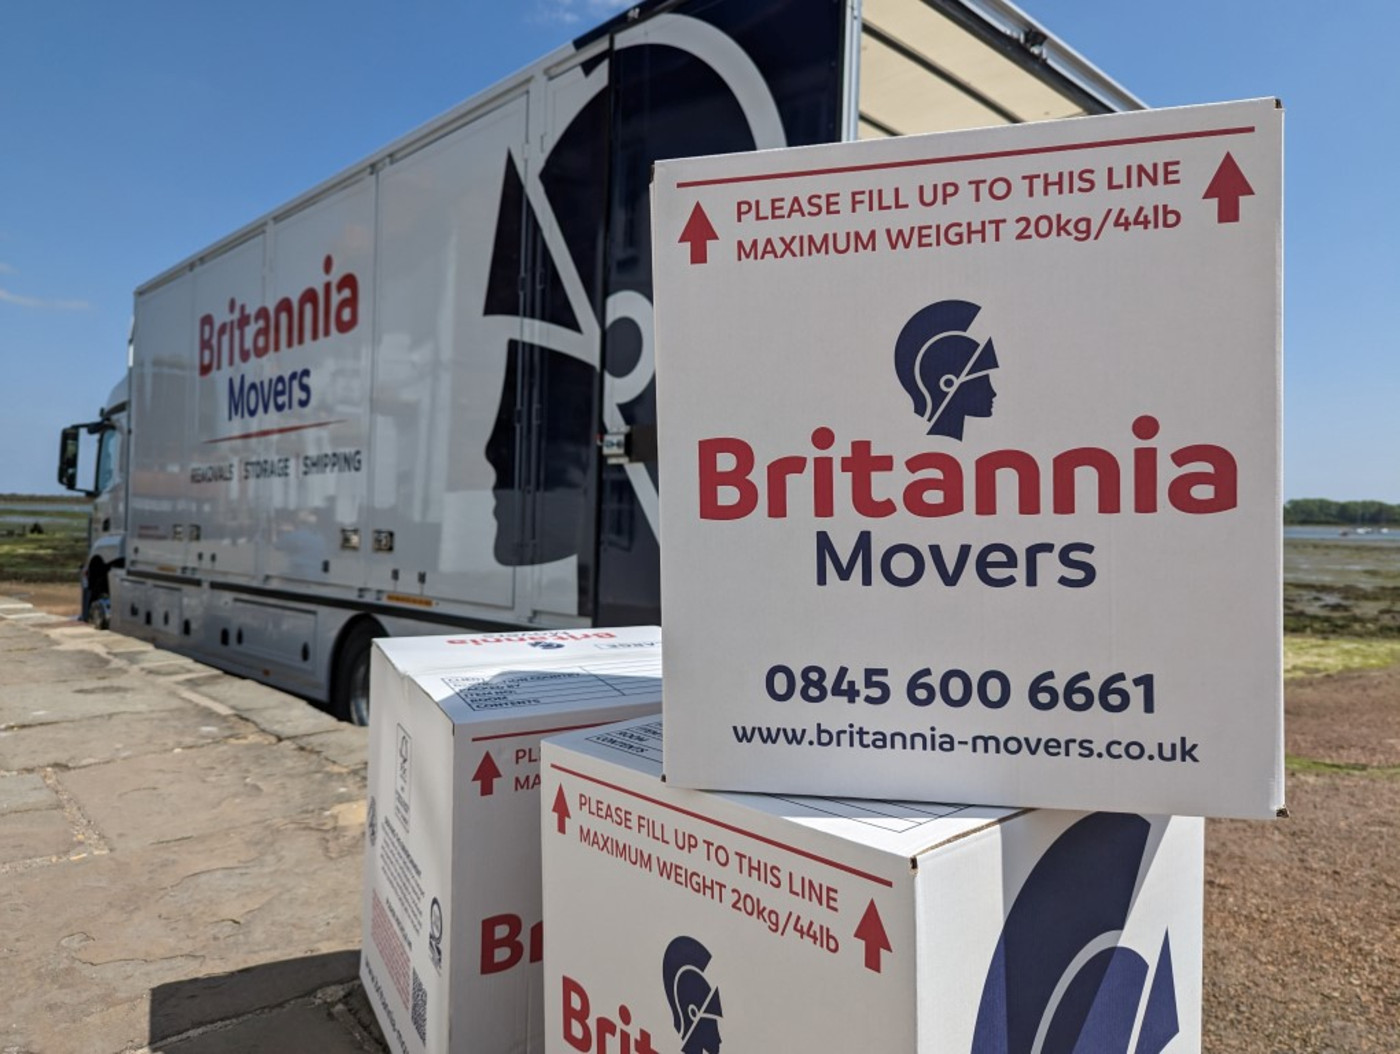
{"x":68,"y":458}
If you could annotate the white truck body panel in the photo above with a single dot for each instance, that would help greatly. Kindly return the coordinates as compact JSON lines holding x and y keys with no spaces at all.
{"x":385,"y":399}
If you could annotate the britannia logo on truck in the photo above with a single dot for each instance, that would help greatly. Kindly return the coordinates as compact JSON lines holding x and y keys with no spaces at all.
{"x":943,"y":369}
{"x":694,"y":1001}
{"x":245,"y":333}
{"x":1061,"y":979}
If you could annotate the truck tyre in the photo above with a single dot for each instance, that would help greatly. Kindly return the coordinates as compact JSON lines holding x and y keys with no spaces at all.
{"x":350,"y":679}
{"x":97,"y":600}
{"x":99,"y":613}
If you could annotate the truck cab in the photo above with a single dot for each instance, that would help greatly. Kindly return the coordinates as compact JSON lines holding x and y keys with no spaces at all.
{"x":91,"y":461}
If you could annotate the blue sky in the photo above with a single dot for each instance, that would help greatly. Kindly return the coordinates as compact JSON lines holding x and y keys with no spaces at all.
{"x":135,"y":134}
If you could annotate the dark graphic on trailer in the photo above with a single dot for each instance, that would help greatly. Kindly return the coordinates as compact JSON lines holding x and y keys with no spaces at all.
{"x":554,"y":522}
{"x":1062,"y":936}
{"x":572,"y":250}
{"x":695,"y":1006}
{"x":945,"y":371}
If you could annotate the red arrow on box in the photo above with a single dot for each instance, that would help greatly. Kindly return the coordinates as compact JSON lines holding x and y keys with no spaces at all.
{"x":1227,"y":186}
{"x":698,"y":234}
{"x":560,"y":809}
{"x":872,"y":931}
{"x":486,"y":775}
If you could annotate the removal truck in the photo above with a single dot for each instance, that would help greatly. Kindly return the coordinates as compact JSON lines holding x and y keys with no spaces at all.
{"x":419,"y":396}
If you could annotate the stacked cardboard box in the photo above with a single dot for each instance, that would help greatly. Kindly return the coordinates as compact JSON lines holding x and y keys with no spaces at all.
{"x":678,"y":919}
{"x":1070,"y":612}
{"x":948,"y":514}
{"x":451,"y":904}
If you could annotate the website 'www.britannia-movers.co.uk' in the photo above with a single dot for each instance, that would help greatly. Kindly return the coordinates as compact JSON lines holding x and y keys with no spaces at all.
{"x":854,"y":736}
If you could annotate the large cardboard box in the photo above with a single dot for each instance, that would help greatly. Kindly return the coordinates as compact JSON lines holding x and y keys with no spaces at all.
{"x":971,"y":449}
{"x":681,"y":919}
{"x":451,"y":902}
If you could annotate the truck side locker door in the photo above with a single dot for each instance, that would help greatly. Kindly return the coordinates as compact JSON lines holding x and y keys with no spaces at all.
{"x":228,"y":501}
{"x":444,"y":519}
{"x":163,"y":390}
{"x":327,"y":247}
{"x":565,"y":191}
{"x":707,"y":77}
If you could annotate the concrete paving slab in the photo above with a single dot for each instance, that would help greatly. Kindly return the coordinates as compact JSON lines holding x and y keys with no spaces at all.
{"x":23,"y":791}
{"x":23,"y":705}
{"x":159,"y":658}
{"x":12,"y":634}
{"x":76,"y":630}
{"x":311,"y":727}
{"x":33,"y":666}
{"x":287,"y":722}
{"x":33,"y":822}
{"x":116,"y":644}
{"x":308,"y":1025}
{"x":345,"y":745}
{"x":160,"y":798}
{"x":32,"y":617}
{"x":69,"y":633}
{"x":177,"y":670}
{"x":186,"y":1006}
{"x":94,"y":740}
{"x":70,"y":629}
{"x":241,"y":694}
{"x":15,"y":640}
{"x":100,"y":935}
{"x":171,"y":876}
{"x":35,"y":834}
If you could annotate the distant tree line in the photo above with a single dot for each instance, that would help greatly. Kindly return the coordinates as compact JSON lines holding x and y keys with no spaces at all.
{"x":1326,"y":511}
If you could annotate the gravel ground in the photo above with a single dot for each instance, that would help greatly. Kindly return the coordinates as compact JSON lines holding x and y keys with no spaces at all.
{"x":1302,"y":918}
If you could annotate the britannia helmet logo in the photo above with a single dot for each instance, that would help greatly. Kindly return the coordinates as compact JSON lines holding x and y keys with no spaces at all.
{"x":1062,"y":979}
{"x":695,"y":1006}
{"x":943,"y":369}
{"x":435,"y":933}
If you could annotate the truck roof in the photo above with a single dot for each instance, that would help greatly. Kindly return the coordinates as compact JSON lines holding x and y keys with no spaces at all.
{"x":922,"y":66}
{"x":941,"y":65}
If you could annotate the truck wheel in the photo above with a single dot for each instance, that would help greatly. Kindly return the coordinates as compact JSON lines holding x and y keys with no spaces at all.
{"x":97,"y":600}
{"x":350,"y":683}
{"x":99,"y":613}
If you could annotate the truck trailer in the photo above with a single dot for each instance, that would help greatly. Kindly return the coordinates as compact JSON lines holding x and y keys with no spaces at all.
{"x":418,"y":397}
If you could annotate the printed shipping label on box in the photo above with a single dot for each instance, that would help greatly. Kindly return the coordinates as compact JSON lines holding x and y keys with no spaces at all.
{"x":971,"y":449}
{"x":679,"y":920}
{"x":451,"y":903}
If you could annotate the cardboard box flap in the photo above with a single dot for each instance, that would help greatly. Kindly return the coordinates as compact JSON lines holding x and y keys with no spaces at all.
{"x":513,"y":689}
{"x":905,"y":828}
{"x":413,"y":655}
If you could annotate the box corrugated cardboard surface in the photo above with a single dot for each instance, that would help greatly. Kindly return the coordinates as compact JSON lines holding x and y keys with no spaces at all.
{"x":682,"y":919}
{"x":451,"y":900}
{"x":895,"y":403}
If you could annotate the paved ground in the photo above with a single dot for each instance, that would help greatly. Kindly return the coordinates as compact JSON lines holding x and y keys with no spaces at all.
{"x":180,"y":855}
